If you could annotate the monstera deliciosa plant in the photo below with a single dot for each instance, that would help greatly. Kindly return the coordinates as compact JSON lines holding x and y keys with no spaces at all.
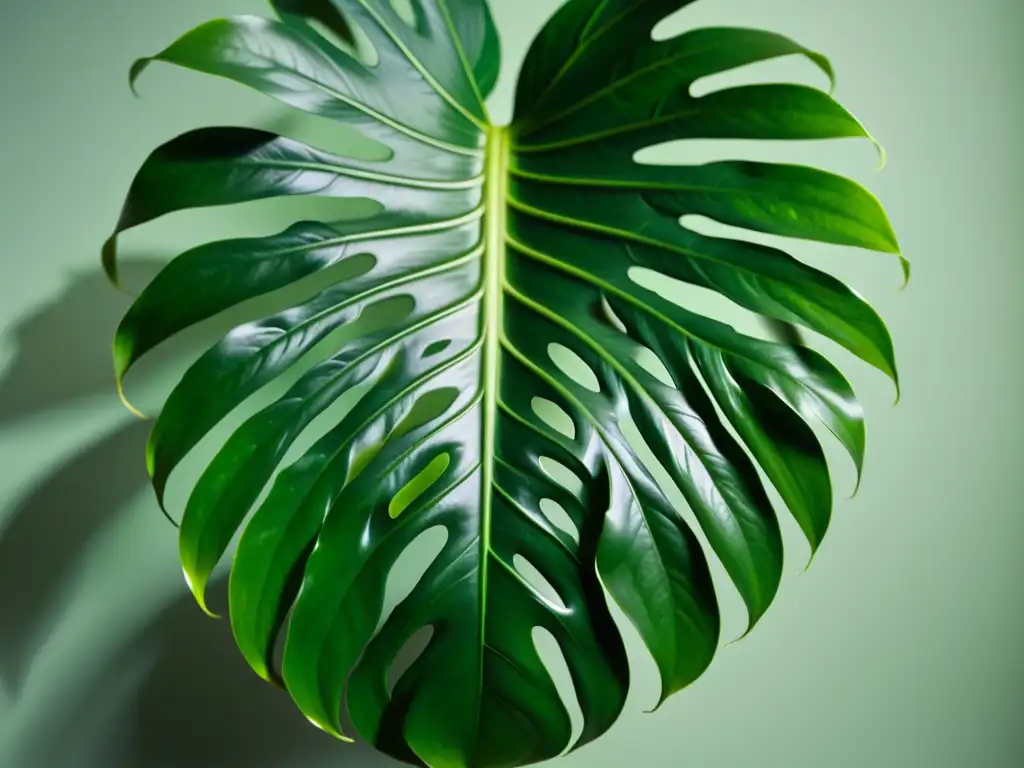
{"x":502,"y":251}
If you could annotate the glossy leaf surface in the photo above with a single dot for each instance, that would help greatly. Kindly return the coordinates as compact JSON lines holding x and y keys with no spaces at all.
{"x":496,"y":254}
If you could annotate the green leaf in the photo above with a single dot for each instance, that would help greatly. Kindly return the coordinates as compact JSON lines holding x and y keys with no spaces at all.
{"x":495,"y":265}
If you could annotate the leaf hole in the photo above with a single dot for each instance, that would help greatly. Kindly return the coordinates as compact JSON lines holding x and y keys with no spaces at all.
{"x":407,"y":11}
{"x":699,"y":300}
{"x":409,"y":568}
{"x":553,"y":659}
{"x":323,"y":12}
{"x":708,"y":227}
{"x":419,"y":485}
{"x":654,"y":365}
{"x":673,"y":24}
{"x":375,"y":317}
{"x":573,"y":366}
{"x":538,"y":582}
{"x":818,"y":255}
{"x":328,"y":419}
{"x":558,"y":517}
{"x":385,"y":313}
{"x":362,"y":459}
{"x":562,"y":475}
{"x":847,"y":157}
{"x":554,"y":416}
{"x":436,"y":348}
{"x":428,"y":407}
{"x":406,"y":657}
{"x":348,"y":267}
{"x":337,"y":138}
{"x":793,"y":68}
{"x":344,"y":34}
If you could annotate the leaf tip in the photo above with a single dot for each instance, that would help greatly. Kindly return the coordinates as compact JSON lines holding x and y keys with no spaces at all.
{"x":856,"y":485}
{"x":883,"y":156}
{"x":163,"y":507}
{"x":825,"y":65}
{"x":890,"y":370}
{"x":661,"y":700}
{"x":668,"y":690}
{"x":122,"y":353}
{"x":126,"y":402}
{"x":810,"y":559}
{"x":108,"y":257}
{"x":135,"y":71}
{"x":256,"y":660}
{"x":332,"y":730}
{"x":905,"y":266}
{"x":751,"y":623}
{"x":269,"y":676}
{"x":198,"y":589}
{"x":275,"y":680}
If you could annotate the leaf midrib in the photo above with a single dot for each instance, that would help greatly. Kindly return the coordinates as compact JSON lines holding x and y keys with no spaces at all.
{"x":495,"y":226}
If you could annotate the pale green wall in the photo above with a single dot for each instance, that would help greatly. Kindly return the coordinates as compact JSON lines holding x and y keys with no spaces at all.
{"x":898,"y":649}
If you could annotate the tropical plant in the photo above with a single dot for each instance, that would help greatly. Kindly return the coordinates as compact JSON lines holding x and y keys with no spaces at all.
{"x":500,"y":253}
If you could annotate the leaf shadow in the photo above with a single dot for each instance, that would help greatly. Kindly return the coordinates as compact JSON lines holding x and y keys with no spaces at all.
{"x":48,"y":534}
{"x":62,"y":350}
{"x":196,"y":703}
{"x":202,"y":706}
{"x":62,"y":355}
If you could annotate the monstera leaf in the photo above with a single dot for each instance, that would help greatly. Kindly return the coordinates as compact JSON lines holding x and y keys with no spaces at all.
{"x":501,"y":253}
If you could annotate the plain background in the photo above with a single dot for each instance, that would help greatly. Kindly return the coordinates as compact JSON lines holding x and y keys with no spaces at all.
{"x":900,"y":647}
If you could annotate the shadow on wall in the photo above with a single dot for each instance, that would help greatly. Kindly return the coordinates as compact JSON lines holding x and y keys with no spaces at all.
{"x":203,"y":707}
{"x":180,"y":693}
{"x":49,"y":533}
{"x":62,"y":352}
{"x":63,"y":355}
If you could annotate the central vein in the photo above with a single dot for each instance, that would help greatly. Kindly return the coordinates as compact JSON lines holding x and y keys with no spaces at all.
{"x":495,"y":195}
